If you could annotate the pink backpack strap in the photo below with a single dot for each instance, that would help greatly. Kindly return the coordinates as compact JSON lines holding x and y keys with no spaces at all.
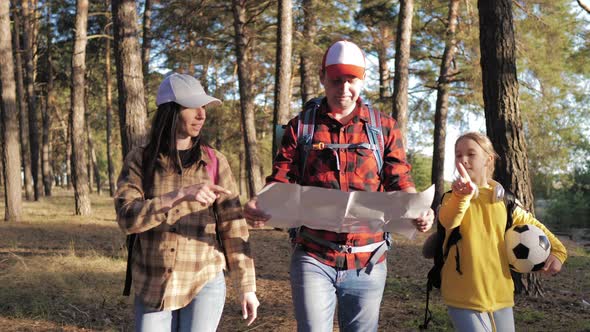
{"x":212,"y":165}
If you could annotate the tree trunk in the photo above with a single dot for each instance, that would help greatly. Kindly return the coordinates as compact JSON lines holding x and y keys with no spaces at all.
{"x":307,"y":70}
{"x":132,"y":109}
{"x":282,"y":104}
{"x":383,"y":72}
{"x":146,"y":44}
{"x":246,"y":79}
{"x":402,"y":65}
{"x":92,"y":159}
{"x":47,"y":111}
{"x":28,"y":25}
{"x":45,"y":145}
{"x":10,"y":131}
{"x":442,"y":103}
{"x":79,"y":157}
{"x":109,"y":115}
{"x":503,"y":120}
{"x":22,"y":112}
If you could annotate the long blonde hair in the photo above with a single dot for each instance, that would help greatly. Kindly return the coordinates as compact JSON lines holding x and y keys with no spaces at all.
{"x":486,"y":144}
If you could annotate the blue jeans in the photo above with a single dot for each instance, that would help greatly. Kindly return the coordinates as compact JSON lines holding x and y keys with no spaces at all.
{"x":317,"y":288}
{"x":465,"y":320}
{"x":201,"y":314}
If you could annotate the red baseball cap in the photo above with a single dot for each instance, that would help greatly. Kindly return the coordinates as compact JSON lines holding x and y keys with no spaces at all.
{"x":344,"y":58}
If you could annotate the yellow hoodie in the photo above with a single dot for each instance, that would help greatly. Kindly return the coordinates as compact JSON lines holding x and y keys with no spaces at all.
{"x":485,"y":284}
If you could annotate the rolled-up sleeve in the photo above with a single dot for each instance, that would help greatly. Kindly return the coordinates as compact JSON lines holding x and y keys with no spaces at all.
{"x":135,"y":214}
{"x":233,"y":232}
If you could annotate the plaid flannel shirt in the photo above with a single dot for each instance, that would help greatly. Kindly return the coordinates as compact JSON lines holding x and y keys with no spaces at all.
{"x":344,"y":169}
{"x":177,"y":250}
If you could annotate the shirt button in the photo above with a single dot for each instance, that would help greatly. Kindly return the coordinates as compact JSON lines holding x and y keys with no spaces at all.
{"x":172,"y":249}
{"x":177,"y":210}
{"x":173,"y":229}
{"x":169,"y":270}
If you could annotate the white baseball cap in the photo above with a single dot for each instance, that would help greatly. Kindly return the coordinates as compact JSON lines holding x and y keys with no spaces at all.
{"x":184,"y":90}
{"x":344,"y":58}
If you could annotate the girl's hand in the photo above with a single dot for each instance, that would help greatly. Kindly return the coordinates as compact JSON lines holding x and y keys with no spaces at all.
{"x":204,"y":193}
{"x":552,"y":266}
{"x":463,"y":184}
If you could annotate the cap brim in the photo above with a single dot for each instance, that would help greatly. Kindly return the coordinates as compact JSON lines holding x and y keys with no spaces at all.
{"x":335,"y":71}
{"x":198,"y":101}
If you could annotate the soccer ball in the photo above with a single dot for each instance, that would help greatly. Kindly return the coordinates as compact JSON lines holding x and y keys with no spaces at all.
{"x":527,"y":247}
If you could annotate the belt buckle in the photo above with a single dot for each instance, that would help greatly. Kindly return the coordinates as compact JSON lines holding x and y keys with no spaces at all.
{"x":347,"y":249}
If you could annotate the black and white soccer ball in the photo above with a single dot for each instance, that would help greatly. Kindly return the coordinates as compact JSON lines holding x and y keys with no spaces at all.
{"x":527,"y":247}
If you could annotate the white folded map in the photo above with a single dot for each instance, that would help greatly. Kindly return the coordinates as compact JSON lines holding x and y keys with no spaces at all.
{"x":292,"y":205}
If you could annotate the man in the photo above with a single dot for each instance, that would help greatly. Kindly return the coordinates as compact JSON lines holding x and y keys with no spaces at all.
{"x":330,"y":268}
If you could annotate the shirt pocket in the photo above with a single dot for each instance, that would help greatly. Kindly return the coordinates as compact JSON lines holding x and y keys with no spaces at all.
{"x":320,"y":163}
{"x":365,"y":168}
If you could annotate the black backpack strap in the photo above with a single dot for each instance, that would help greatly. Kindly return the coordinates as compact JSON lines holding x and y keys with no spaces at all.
{"x":131,"y":238}
{"x":510,"y":202}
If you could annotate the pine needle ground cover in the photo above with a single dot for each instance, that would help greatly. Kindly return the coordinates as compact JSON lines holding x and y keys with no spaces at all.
{"x":60,"y":272}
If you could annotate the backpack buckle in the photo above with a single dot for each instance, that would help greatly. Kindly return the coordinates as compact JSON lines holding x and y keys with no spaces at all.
{"x":318,"y":146}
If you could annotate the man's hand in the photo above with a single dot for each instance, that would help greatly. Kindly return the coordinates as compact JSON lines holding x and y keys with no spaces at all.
{"x":424,"y":222}
{"x":254,"y":216}
{"x":250,"y":304}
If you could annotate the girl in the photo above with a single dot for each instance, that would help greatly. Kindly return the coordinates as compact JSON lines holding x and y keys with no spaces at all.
{"x":480,"y":297}
{"x":189,"y":229}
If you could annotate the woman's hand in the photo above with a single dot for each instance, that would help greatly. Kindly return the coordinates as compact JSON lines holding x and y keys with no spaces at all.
{"x":250,"y":304}
{"x":254,"y":216}
{"x":204,"y":193}
{"x":463,"y":184}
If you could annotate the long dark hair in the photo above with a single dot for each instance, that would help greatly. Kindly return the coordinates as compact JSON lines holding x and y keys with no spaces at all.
{"x":162,"y":140}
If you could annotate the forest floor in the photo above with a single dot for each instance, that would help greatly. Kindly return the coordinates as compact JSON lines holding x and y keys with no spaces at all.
{"x":59,"y":272}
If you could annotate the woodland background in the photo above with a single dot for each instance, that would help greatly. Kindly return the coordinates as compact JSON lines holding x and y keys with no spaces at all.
{"x":79,"y":80}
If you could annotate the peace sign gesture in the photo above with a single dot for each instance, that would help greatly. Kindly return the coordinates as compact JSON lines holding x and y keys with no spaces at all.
{"x":463,"y":184}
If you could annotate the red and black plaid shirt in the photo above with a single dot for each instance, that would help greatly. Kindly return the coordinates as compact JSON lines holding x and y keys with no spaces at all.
{"x":351,"y":170}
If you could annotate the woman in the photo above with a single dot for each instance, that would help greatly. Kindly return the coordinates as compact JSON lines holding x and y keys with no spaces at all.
{"x":179,"y":196}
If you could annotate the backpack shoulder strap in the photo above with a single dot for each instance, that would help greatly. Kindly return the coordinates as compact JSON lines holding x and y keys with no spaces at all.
{"x":375,"y":134}
{"x":510,"y":202}
{"x":305,"y":130}
{"x":212,"y":167}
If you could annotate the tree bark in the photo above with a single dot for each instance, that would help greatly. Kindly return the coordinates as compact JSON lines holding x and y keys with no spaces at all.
{"x":10,"y":130}
{"x":146,"y":44}
{"x":132,"y":108}
{"x":283,"y":69}
{"x":79,"y":157}
{"x":22,"y":111}
{"x":47,"y":111}
{"x":503,"y":119}
{"x":109,"y":113}
{"x":28,"y":25}
{"x":401,"y":77}
{"x":246,"y":79}
{"x":307,"y":70}
{"x":442,"y":103}
{"x":93,"y":161}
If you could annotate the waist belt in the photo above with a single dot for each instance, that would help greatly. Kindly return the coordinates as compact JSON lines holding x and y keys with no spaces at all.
{"x":377,"y":248}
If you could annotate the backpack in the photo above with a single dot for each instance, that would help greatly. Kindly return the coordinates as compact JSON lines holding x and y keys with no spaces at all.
{"x":213,"y":171}
{"x":306,"y":128}
{"x":440,"y":254}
